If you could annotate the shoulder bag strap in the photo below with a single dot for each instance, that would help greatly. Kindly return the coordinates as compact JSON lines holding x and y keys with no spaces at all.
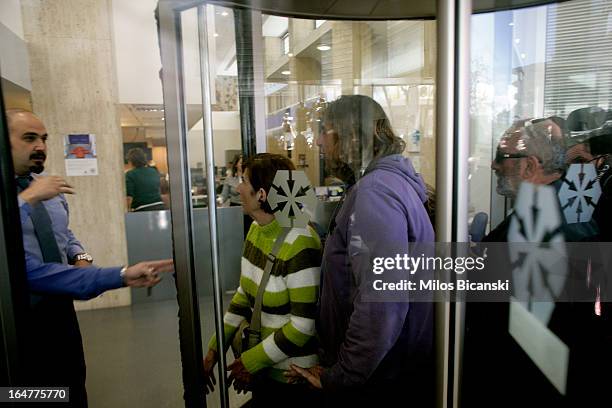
{"x":255,"y":325}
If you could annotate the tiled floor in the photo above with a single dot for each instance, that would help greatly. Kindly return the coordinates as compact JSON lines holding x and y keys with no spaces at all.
{"x":133,"y":357}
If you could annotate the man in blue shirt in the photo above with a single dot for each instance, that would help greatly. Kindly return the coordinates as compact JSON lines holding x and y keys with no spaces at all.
{"x":58,"y":268}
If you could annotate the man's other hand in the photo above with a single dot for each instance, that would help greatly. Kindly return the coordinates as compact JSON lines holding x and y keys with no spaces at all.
{"x":146,"y":274}
{"x":44,"y":188}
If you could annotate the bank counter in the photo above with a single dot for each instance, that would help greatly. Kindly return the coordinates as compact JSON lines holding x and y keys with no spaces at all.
{"x":149,"y":236}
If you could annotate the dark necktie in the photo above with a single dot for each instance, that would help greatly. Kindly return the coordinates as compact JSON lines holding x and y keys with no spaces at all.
{"x":42,"y":227}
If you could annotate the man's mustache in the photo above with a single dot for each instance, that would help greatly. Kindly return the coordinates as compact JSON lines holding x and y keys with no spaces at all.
{"x":38,"y":156}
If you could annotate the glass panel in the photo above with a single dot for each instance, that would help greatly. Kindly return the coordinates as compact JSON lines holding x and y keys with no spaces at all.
{"x":227,"y":145}
{"x":540,"y":99}
{"x":391,"y":63}
{"x":78,"y":85}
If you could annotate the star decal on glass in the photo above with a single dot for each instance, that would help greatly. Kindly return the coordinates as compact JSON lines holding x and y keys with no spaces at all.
{"x":291,"y":198}
{"x":579,"y":193}
{"x":537,"y":250}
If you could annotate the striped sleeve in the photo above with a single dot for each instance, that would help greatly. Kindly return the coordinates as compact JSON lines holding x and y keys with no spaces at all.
{"x":238,"y":311}
{"x":297,"y":336}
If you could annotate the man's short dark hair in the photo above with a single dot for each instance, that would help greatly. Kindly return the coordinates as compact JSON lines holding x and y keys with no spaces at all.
{"x":261,"y":170}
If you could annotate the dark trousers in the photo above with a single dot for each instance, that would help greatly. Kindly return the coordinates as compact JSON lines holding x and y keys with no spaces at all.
{"x":268,"y":393}
{"x":54,"y":349}
{"x":417,"y":392}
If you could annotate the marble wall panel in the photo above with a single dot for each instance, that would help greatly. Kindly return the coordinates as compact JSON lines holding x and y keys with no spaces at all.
{"x":74,"y":90}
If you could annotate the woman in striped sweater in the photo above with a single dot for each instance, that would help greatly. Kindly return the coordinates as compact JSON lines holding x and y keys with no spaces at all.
{"x":289,"y":302}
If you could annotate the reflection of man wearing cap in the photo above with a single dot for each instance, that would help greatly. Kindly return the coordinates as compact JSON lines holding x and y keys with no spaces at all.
{"x":534,"y":152}
{"x":530,"y":151}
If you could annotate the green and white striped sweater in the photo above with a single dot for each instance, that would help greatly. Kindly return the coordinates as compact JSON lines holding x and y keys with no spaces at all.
{"x":289,"y":301}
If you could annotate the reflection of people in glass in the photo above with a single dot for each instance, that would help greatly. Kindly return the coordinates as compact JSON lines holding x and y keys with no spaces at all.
{"x":142,"y":184}
{"x":371,"y":350}
{"x":591,"y":142}
{"x":230,"y":185}
{"x":530,"y":151}
{"x":289,"y":301}
{"x":533,"y":151}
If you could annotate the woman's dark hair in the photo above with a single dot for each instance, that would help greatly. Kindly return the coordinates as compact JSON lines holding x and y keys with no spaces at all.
{"x":261,"y":170}
{"x":137,"y":157}
{"x":362,"y":129}
{"x":235,"y":164}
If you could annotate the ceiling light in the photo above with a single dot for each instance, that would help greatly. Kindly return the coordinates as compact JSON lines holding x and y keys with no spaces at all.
{"x":523,"y":56}
{"x":518,"y":40}
{"x":290,"y":54}
{"x":286,"y":72}
{"x":225,"y":14}
{"x":323,"y":47}
{"x":216,"y":35}
{"x":511,"y":24}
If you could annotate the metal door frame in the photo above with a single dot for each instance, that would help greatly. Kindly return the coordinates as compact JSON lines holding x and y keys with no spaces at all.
{"x":181,"y":206}
{"x":14,"y":294}
{"x":452,"y":141}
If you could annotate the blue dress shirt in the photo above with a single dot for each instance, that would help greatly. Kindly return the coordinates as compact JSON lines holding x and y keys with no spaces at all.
{"x":62,"y":279}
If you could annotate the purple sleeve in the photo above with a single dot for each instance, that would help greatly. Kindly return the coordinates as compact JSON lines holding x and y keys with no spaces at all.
{"x":378,"y":228}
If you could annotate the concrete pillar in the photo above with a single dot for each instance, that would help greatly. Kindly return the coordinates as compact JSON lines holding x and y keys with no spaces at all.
{"x":74,"y":90}
{"x":346,"y":54}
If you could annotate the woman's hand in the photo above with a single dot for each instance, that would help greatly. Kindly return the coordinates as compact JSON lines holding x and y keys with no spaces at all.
{"x":239,"y":376}
{"x":209,"y":376}
{"x":312,"y":375}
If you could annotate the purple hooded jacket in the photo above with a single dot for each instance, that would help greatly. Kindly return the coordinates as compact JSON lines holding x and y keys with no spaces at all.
{"x":374,"y":344}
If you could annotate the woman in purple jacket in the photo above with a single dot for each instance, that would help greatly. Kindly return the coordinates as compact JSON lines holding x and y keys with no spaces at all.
{"x":373,"y":350}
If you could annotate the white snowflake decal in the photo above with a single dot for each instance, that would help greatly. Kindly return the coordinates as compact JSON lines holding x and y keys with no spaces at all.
{"x":537,"y":250}
{"x":536,"y":215}
{"x":292,"y":198}
{"x":580,"y":193}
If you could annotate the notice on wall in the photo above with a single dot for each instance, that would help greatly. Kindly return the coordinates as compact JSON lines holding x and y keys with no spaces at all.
{"x":80,"y":155}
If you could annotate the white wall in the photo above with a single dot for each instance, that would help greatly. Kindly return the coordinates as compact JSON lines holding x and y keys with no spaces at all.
{"x":10,"y":16}
{"x":137,"y":54}
{"x":226,"y":135}
{"x":136,"y":51}
{"x":14,"y":59}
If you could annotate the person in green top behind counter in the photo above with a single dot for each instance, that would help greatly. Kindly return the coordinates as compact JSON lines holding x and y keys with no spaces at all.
{"x":289,"y":301}
{"x":142,"y":184}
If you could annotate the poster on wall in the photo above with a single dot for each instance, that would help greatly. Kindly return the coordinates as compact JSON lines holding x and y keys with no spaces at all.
{"x":80,"y":155}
